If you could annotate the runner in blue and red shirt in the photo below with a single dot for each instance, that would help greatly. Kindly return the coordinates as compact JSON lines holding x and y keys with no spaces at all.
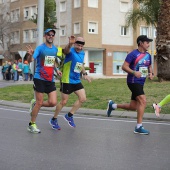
{"x":45,"y":56}
{"x":138,"y":66}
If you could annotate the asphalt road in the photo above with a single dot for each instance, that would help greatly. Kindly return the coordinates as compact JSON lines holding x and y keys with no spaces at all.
{"x":96,"y":143}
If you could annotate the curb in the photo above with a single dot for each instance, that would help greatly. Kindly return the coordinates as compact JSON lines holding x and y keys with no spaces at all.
{"x":91,"y":112}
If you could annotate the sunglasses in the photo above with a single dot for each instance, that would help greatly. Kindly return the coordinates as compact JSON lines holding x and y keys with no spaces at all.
{"x":50,"y":35}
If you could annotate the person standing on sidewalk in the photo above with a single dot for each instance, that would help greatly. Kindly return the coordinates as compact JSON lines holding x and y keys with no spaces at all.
{"x":157,"y":107}
{"x":138,"y":66}
{"x":45,"y":55}
{"x":70,"y":82}
{"x":15,"y":68}
{"x":25,"y":70}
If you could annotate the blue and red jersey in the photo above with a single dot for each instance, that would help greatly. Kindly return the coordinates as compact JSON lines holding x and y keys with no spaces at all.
{"x":138,"y":62}
{"x":45,"y":58}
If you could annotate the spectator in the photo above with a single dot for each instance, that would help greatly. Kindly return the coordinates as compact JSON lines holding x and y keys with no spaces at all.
{"x":4,"y":69}
{"x":8,"y":71}
{"x":15,"y":70}
{"x":26,"y":70}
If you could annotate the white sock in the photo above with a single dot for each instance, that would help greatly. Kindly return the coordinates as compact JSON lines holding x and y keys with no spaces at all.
{"x":114,"y":106}
{"x":139,"y":125}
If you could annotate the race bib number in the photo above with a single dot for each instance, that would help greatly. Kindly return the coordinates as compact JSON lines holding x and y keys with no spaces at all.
{"x":78,"y":67}
{"x":49,"y":61}
{"x":143,"y":71}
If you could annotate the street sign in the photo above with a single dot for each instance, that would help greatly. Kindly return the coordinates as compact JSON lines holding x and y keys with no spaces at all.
{"x":22,"y":53}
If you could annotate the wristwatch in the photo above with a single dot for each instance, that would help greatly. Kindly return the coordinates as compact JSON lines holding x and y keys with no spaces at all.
{"x":85,"y":74}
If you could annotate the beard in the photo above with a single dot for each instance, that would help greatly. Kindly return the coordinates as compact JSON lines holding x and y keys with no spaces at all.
{"x":49,"y":41}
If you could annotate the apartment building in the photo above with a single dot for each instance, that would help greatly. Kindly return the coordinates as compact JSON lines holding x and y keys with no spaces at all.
{"x":100,"y":22}
{"x":21,"y":31}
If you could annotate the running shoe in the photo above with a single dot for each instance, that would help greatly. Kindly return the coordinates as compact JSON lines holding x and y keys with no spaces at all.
{"x":33,"y":102}
{"x":157,"y":109}
{"x":70,"y":120}
{"x":141,"y":131}
{"x":54,"y":124}
{"x":110,"y":108}
{"x":33,"y":128}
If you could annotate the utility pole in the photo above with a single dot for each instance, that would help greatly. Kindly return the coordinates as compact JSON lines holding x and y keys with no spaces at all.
{"x":40,"y":27}
{"x":58,"y":20}
{"x":40,"y":23}
{"x":153,"y":46}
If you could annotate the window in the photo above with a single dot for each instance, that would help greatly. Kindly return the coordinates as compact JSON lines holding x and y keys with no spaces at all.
{"x":12,"y":16}
{"x":118,"y":60}
{"x":33,"y":12}
{"x":144,"y":31}
{"x":2,"y":1}
{"x":63,"y":6}
{"x":33,"y":35}
{"x":26,"y":36}
{"x":62,"y":30}
{"x":124,"y":6}
{"x":93,"y":3}
{"x":76,"y":28}
{"x":77,"y":3}
{"x":26,"y":13}
{"x":15,"y":37}
{"x":96,"y":62}
{"x":92,"y":27}
{"x":15,"y":15}
{"x":30,"y":12}
{"x":124,"y":31}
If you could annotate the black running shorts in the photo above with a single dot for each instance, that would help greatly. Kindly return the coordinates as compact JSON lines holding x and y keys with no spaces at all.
{"x":67,"y":88}
{"x":136,"y":89}
{"x":43,"y":86}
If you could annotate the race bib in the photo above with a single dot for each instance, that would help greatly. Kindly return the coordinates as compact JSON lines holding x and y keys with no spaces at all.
{"x":143,"y":71}
{"x":78,"y":67}
{"x":49,"y":61}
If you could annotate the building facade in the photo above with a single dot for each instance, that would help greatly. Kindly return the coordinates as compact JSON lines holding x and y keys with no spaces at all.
{"x":101,"y":23}
{"x":21,"y":31}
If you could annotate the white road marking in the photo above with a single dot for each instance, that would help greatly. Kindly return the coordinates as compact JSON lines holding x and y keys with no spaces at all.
{"x":90,"y":118}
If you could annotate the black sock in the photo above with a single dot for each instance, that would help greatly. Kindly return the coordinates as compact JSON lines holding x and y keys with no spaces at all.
{"x":54,"y":118}
{"x":31,"y":123}
{"x":70,"y":114}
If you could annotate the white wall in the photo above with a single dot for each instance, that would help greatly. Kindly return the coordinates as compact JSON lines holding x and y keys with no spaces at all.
{"x":112,"y":18}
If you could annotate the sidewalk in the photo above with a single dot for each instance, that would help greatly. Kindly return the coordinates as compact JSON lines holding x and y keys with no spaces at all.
{"x":92,"y":112}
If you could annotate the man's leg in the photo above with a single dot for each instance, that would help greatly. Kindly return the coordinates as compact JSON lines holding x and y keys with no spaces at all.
{"x":128,"y":106}
{"x":32,"y":125}
{"x":61,"y":104}
{"x":157,"y":107}
{"x":81,"y":99}
{"x":53,"y":121}
{"x":141,"y":105}
{"x":38,"y":104}
{"x":52,"y":100}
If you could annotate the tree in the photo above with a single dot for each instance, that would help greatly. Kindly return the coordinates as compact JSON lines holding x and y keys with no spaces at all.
{"x":5,"y":26}
{"x":145,"y":10}
{"x":49,"y":15}
{"x":163,"y":41}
